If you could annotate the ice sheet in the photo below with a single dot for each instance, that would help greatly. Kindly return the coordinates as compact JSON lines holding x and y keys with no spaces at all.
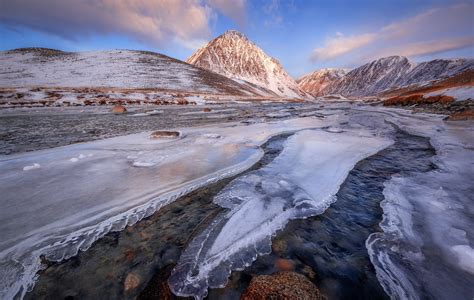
{"x":425,"y":250}
{"x":82,"y":191}
{"x":299,"y":183}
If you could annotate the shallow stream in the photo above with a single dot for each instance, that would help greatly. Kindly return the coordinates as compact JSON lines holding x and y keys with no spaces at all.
{"x":329,"y":248}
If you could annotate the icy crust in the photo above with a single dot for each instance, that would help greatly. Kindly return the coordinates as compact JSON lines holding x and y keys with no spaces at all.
{"x":299,"y":183}
{"x":425,"y":250}
{"x":66,"y":205}
{"x":458,"y":93}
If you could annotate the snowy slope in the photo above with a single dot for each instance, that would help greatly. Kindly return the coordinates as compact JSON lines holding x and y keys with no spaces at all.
{"x":235,"y":56}
{"x":395,"y":72}
{"x":116,"y":68}
{"x":316,"y":81}
{"x":371,"y":78}
{"x":437,"y":69}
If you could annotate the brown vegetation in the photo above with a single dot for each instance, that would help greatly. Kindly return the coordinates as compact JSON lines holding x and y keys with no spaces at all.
{"x":463,"y":79}
{"x":417,"y":99}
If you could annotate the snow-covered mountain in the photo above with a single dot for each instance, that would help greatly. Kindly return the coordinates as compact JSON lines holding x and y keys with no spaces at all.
{"x":435,"y":70}
{"x":371,"y":78}
{"x":117,"y":68}
{"x":235,"y":56}
{"x":313,"y":83}
{"x":395,"y":72}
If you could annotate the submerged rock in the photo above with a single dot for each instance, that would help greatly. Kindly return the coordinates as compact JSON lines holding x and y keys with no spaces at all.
{"x":284,"y":264}
{"x":158,"y":287}
{"x":206,"y":109}
{"x":282,"y":285}
{"x":131,"y":282}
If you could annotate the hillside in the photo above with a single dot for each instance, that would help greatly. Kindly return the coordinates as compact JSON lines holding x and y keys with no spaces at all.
{"x":393,"y":73}
{"x":314,"y":83}
{"x":117,"y":68}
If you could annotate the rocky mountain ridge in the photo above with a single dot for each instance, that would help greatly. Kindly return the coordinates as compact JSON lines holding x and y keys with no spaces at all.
{"x":395,"y":72}
{"x":317,"y":81}
{"x":233,"y":55}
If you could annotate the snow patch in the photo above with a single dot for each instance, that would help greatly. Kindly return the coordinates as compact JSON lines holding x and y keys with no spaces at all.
{"x":458,"y":93}
{"x":32,"y":167}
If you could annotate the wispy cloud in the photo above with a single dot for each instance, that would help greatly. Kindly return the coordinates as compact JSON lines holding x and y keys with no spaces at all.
{"x":153,"y":22}
{"x":274,"y":17}
{"x":429,"y":47}
{"x":340,"y":45}
{"x":434,"y":31}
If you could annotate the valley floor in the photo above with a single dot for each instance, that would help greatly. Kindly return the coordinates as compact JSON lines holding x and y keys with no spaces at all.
{"x":362,"y":201}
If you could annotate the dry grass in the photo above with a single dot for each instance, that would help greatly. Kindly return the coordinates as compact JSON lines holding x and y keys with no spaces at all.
{"x":417,"y":99}
{"x":463,"y":79}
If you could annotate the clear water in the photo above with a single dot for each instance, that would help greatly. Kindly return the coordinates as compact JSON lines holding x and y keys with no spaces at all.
{"x":331,"y":246}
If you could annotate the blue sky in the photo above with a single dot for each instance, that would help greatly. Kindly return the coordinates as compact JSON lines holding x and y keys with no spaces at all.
{"x":302,"y":35}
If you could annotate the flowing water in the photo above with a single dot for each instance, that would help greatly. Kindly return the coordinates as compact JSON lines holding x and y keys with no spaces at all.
{"x":329,"y":248}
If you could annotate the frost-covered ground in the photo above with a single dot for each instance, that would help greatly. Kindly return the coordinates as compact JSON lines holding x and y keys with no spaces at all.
{"x":60,"y":200}
{"x":39,"y":97}
{"x":458,"y":93}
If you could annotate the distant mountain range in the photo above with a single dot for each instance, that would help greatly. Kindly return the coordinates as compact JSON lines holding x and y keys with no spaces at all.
{"x":228,"y":65}
{"x":315,"y":82}
{"x":394,"y":72}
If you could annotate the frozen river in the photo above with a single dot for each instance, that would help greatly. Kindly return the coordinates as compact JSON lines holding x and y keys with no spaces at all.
{"x":58,"y":201}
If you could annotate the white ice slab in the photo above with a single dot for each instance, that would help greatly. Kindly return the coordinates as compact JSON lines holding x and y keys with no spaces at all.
{"x":83,"y":191}
{"x":301,"y":182}
{"x":426,"y":248}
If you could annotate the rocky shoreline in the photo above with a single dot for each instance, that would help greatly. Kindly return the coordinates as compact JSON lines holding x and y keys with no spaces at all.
{"x":456,"y":109}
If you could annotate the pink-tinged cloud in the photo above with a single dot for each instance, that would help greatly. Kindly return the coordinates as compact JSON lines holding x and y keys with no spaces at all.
{"x":435,"y":22}
{"x":341,"y":45}
{"x":434,"y":31}
{"x":429,"y":47}
{"x":153,"y":22}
